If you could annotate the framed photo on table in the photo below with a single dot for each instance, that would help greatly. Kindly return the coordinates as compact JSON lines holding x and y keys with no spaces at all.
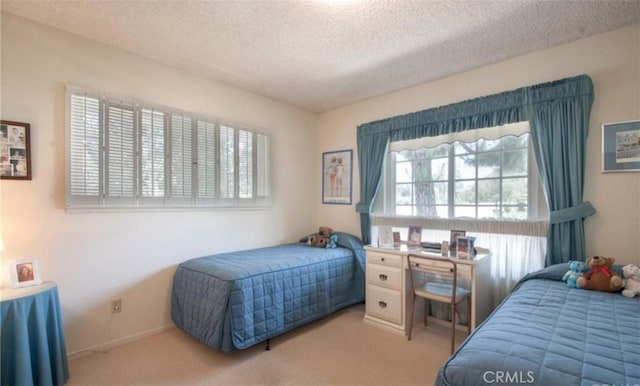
{"x":453,"y":239}
{"x":337,"y":176}
{"x":621,"y":147}
{"x":414,"y":238}
{"x":15,"y":151}
{"x":24,"y":273}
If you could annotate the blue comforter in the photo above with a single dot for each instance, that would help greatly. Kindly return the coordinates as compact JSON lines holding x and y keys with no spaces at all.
{"x":238,"y":299}
{"x":545,"y":333}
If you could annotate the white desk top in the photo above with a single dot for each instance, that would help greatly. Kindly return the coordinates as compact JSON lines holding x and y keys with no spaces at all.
{"x":404,"y":250}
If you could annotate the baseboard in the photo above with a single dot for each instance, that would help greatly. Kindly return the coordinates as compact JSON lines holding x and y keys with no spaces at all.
{"x":105,"y":347}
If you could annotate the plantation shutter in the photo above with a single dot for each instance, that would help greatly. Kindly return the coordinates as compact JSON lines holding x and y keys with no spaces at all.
{"x":84,"y":149}
{"x":152,"y":156}
{"x":181,"y":160}
{"x":245,"y":164}
{"x":227,"y":164}
{"x":206,"y":138}
{"x":262,"y":166}
{"x":120,"y":145}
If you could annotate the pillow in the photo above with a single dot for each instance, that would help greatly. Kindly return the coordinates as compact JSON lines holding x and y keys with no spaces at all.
{"x":349,"y":241}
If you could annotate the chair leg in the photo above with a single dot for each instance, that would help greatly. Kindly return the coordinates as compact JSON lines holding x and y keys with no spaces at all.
{"x":427,"y":307}
{"x":469,"y":316}
{"x":453,"y":326}
{"x":410,"y":319}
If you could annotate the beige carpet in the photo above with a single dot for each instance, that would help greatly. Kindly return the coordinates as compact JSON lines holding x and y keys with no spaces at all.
{"x":338,"y":350}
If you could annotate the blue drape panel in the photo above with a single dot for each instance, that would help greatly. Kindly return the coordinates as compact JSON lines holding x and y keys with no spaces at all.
{"x":559,"y":126}
{"x":559,"y":115}
{"x":32,"y":340}
{"x":371,"y":152}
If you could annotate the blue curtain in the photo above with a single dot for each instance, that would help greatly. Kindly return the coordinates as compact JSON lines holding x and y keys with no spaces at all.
{"x":559,"y":116}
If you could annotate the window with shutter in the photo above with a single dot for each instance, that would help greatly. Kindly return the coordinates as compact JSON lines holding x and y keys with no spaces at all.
{"x":120,"y":154}
{"x":83,"y":165}
{"x":126,"y":154}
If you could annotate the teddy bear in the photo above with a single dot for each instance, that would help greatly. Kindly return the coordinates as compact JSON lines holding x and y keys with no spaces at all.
{"x":322,"y":238}
{"x":600,"y":277}
{"x":576,"y":270}
{"x":631,"y":275}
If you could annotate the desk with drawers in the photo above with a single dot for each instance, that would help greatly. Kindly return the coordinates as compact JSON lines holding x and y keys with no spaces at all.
{"x":388,"y":293}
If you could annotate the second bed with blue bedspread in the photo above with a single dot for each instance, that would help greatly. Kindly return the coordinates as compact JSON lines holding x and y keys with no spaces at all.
{"x":545,"y":333}
{"x":235,"y":300}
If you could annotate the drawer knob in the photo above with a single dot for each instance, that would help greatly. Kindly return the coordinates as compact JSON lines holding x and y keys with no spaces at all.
{"x":382,"y":304}
{"x":383,"y":277}
{"x":382,"y":259}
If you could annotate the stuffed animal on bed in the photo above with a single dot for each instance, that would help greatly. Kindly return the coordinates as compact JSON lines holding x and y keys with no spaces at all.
{"x":576,"y":270}
{"x":600,"y":277}
{"x":631,"y":275}
{"x":333,"y":241}
{"x":321,"y":239}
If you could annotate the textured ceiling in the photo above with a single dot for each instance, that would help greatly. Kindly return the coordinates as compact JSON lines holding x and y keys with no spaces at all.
{"x":320,"y":55}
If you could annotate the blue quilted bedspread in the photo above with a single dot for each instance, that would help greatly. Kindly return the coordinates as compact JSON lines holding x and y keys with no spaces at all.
{"x":545,"y":333}
{"x":238,"y":299}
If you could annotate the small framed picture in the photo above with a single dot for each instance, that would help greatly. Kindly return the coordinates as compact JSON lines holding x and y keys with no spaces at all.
{"x":24,"y":273}
{"x":455,"y":233}
{"x":621,"y":147}
{"x":15,"y":151}
{"x":396,"y":239}
{"x":415,"y":236}
{"x":385,"y":236}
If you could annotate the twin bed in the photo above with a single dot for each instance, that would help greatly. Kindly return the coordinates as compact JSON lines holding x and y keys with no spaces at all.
{"x":236,"y":300}
{"x":545,"y":333}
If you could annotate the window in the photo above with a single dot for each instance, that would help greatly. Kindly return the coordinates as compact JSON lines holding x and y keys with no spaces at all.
{"x":486,"y":179}
{"x":128,"y":154}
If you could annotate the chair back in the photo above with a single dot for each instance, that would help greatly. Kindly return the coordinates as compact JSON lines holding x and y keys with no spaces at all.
{"x":432,"y":269}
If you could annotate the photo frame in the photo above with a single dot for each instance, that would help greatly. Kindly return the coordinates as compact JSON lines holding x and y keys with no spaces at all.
{"x":15,"y":150}
{"x":455,"y":233}
{"x":337,"y":176}
{"x":414,"y":237}
{"x":24,"y":273}
{"x":385,"y":236}
{"x":396,"y":239}
{"x":621,"y":147}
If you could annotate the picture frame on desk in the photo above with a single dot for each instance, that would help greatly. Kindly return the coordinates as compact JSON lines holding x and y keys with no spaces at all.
{"x":466,"y":247}
{"x":385,"y":236}
{"x":453,"y":239}
{"x":396,"y":239}
{"x":24,"y":273}
{"x":414,"y":238}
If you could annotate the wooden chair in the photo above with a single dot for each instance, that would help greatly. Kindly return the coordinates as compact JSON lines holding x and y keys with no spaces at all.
{"x":435,"y":278}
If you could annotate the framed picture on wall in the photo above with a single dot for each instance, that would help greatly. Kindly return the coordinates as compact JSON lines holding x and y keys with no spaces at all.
{"x":15,"y":151}
{"x":621,"y":147}
{"x":337,"y":176}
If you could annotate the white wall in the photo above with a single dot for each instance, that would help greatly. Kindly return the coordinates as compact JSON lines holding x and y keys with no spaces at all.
{"x":612,"y":60}
{"x":96,"y":256}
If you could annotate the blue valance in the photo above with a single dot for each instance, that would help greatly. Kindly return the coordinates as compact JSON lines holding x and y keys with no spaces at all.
{"x":558,"y":113}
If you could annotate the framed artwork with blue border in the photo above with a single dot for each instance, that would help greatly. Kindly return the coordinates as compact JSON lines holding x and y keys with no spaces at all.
{"x":621,"y":147}
{"x":337,"y":176}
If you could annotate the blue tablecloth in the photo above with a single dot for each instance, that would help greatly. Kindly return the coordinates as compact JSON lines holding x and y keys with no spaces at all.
{"x":31,"y":337}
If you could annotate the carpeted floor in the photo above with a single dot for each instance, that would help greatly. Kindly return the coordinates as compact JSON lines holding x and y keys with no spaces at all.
{"x":338,"y":350}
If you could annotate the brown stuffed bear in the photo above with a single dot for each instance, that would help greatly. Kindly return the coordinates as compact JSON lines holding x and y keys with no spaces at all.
{"x":600,"y":277}
{"x":321,"y":238}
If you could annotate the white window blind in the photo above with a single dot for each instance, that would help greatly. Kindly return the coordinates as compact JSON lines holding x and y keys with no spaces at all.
{"x":207,"y":165}
{"x":122,"y":153}
{"x":152,"y":153}
{"x":227,"y":162}
{"x":181,"y":158}
{"x":83,"y":155}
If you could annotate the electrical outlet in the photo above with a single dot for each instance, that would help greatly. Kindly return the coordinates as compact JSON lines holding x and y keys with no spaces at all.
{"x":116,"y":305}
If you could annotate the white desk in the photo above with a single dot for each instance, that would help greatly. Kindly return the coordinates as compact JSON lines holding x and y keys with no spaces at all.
{"x":388,"y":295}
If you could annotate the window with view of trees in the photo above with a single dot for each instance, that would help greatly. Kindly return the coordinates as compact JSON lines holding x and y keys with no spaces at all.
{"x":128,"y":154}
{"x":484,"y":179}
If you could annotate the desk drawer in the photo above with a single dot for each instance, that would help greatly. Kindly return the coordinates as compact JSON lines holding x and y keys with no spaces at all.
{"x":384,"y":303}
{"x":390,"y":277}
{"x":384,"y":259}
